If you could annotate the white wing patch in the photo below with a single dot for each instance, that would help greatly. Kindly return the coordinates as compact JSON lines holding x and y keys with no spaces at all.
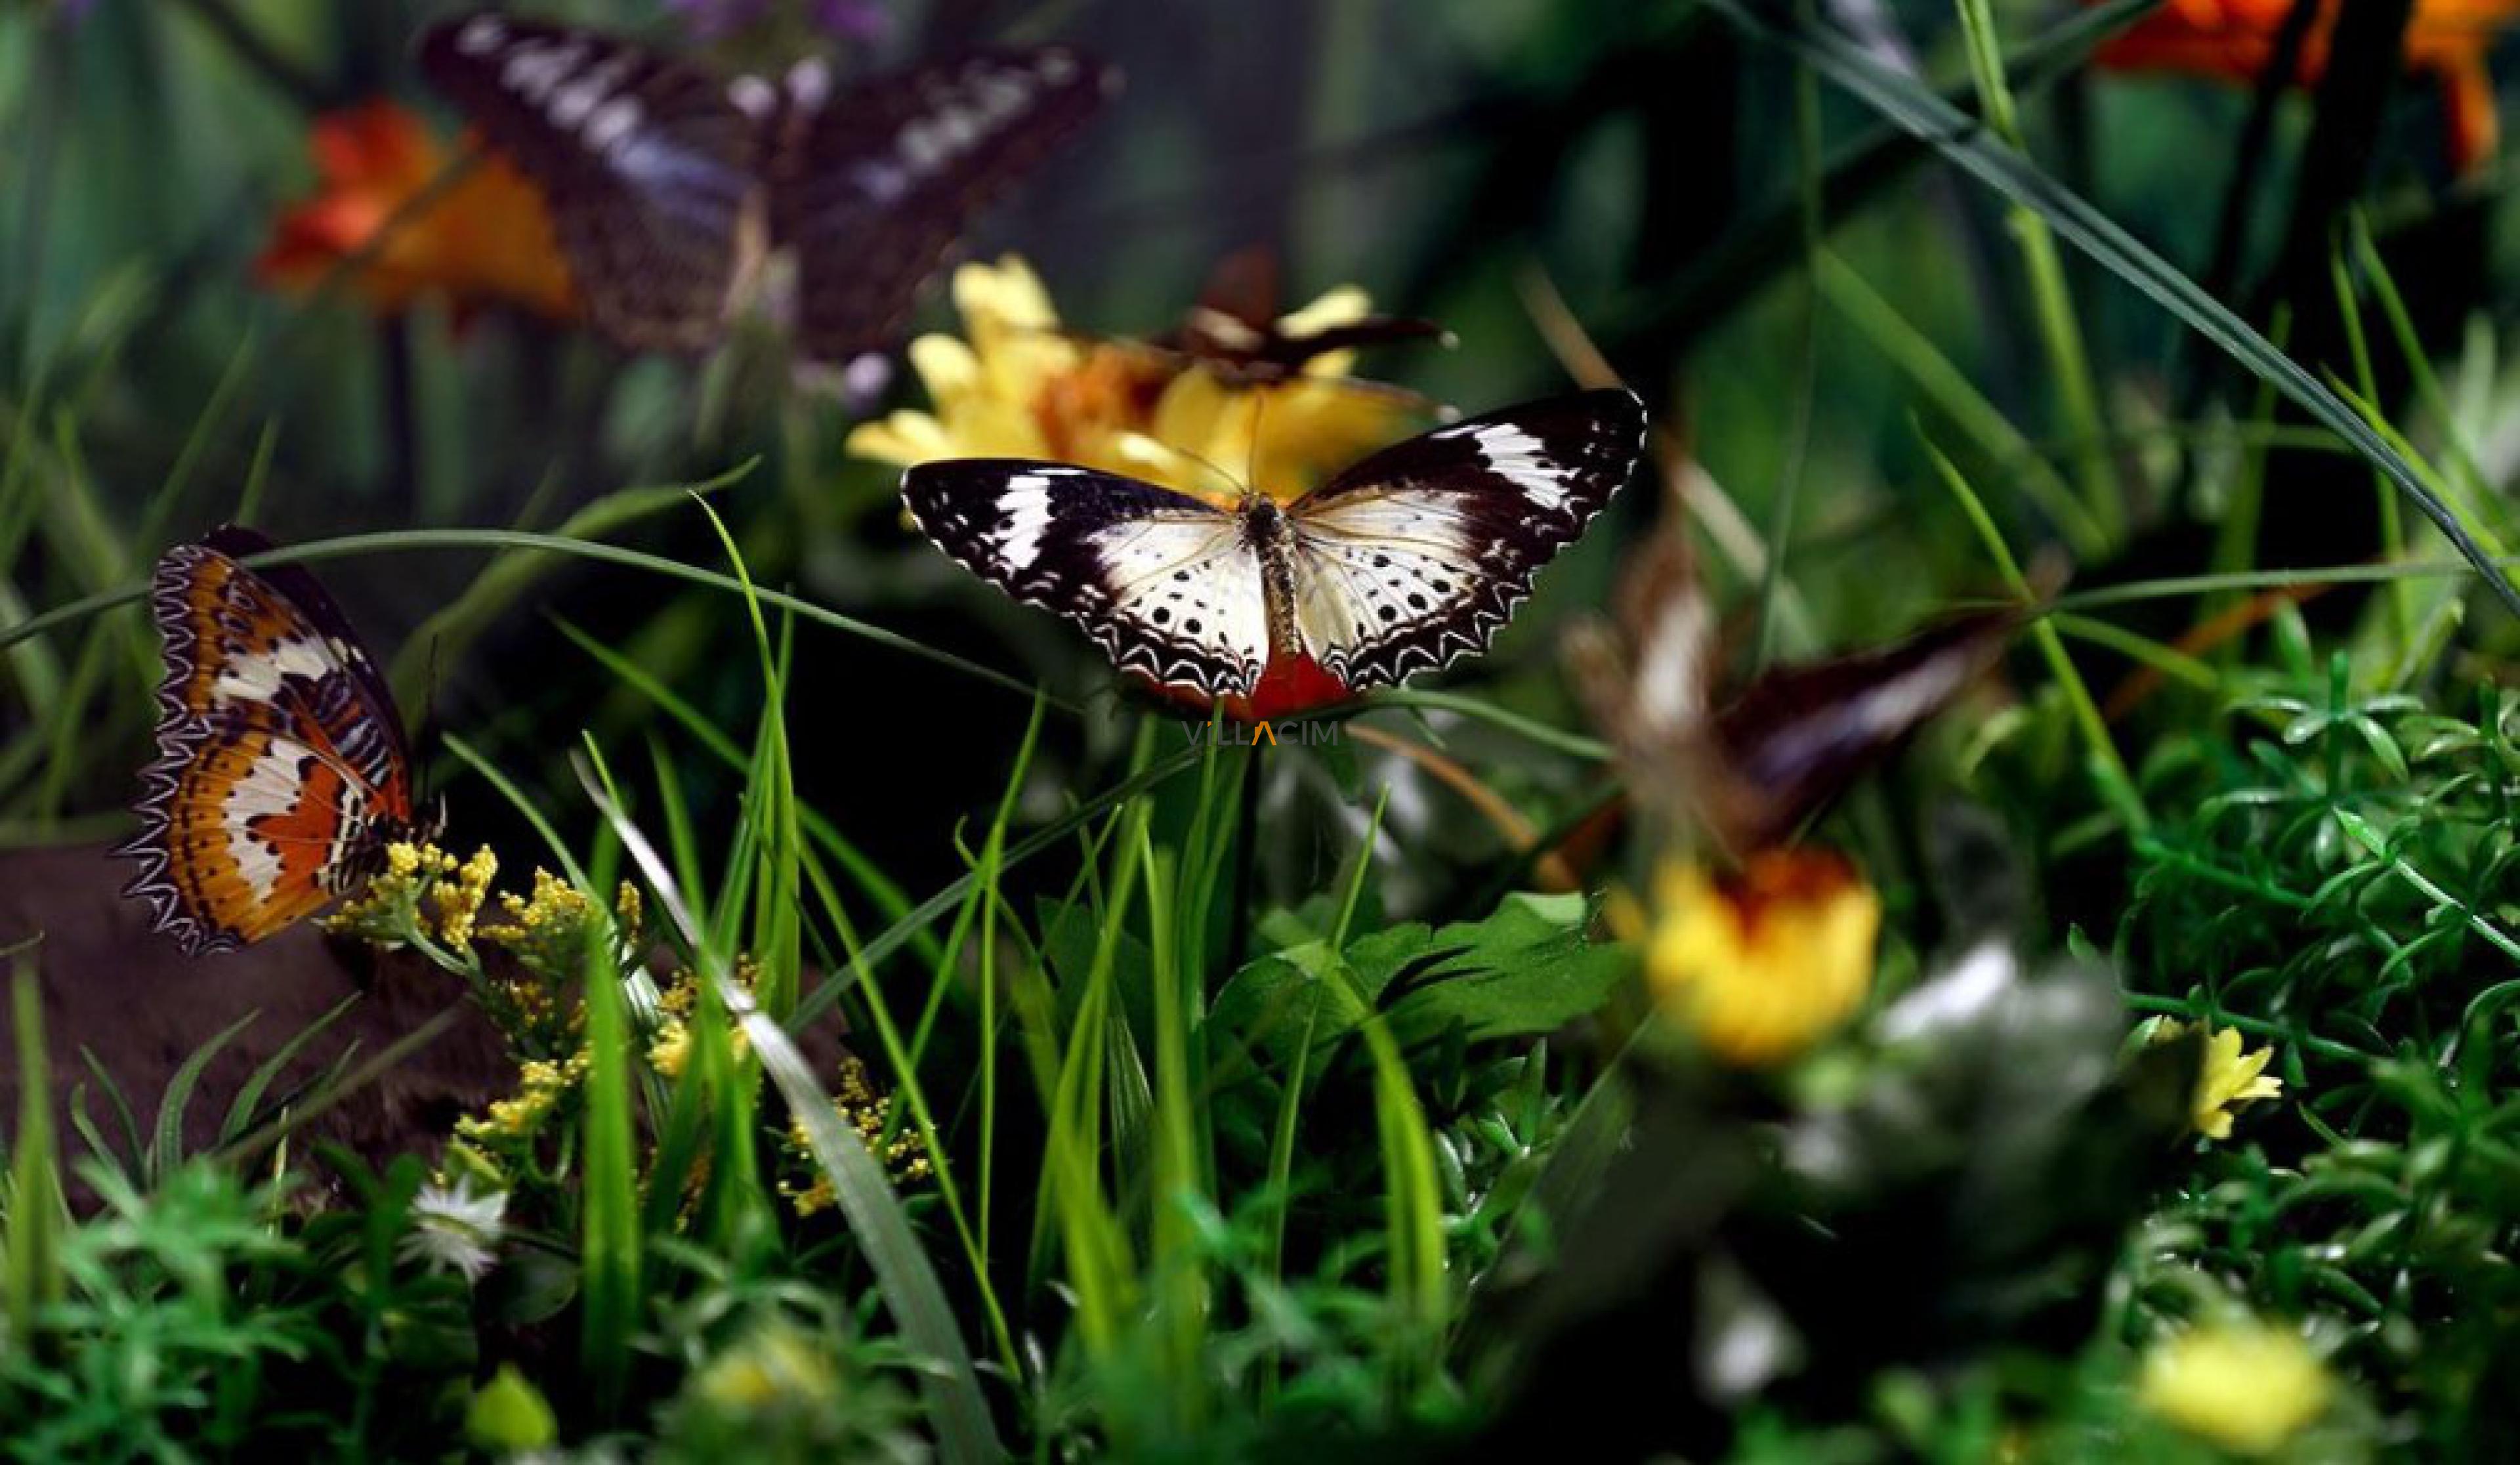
{"x":1419,"y":554}
{"x":1394,"y":584}
{"x":1186,"y":602}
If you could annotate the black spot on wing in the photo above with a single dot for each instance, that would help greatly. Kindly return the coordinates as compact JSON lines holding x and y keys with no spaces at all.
{"x":1435,"y":542}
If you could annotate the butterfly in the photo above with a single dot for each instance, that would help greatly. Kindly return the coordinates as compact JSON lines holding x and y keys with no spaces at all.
{"x":1752,"y":765}
{"x":282,"y":772}
{"x":1401,"y":563}
{"x":674,"y":194}
{"x":1236,"y":332}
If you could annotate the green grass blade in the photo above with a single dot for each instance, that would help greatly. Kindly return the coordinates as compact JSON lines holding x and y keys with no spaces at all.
{"x":609,"y":1238}
{"x":36,"y":1210}
{"x":351,"y":546}
{"x":321,"y":1100}
{"x":1959,"y":138}
{"x":241,"y":1112}
{"x":507,"y":577}
{"x":901,"y":931}
{"x":166,"y":1147}
{"x":965,"y":1434}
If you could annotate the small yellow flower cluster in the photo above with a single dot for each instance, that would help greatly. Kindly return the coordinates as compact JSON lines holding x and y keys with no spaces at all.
{"x":863,"y":1108}
{"x":1761,"y":964}
{"x":548,"y":931}
{"x":388,"y":911}
{"x":1023,"y":386}
{"x":670,"y":1049}
{"x":2226,"y":1079}
{"x":423,"y":893}
{"x":456,"y":902}
{"x":2247,"y":1387}
{"x":541,"y":1085}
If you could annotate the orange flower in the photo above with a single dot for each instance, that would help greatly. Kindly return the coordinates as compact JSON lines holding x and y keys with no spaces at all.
{"x":2235,"y":39}
{"x":484,"y":239}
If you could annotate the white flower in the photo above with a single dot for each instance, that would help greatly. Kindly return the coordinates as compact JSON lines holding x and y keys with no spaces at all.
{"x":453,"y":1227}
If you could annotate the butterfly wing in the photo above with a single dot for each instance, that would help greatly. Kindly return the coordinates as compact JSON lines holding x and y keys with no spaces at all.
{"x":1419,"y":554}
{"x":280,"y":754}
{"x":647,"y":167}
{"x":1165,"y":584}
{"x":874,"y":183}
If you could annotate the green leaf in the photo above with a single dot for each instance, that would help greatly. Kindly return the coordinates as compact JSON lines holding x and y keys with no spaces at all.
{"x":508,"y":1415}
{"x":1525,"y":969}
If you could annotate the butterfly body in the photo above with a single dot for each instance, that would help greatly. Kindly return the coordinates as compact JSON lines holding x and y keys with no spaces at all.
{"x":1235,"y":332}
{"x":282,"y":771}
{"x":682,"y":200}
{"x":1403,"y":562}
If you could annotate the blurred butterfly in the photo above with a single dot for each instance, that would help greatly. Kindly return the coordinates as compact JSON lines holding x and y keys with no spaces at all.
{"x":1401,"y":563}
{"x":1237,"y":333}
{"x":680,"y":200}
{"x":282,"y":772}
{"x":1751,"y":768}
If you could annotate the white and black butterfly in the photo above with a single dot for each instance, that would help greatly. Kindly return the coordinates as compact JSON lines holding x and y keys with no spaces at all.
{"x":1400,"y":563}
{"x":673,"y":191}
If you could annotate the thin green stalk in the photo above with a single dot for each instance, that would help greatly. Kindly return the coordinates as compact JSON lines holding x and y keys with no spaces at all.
{"x":35,"y":1211}
{"x":1174,"y":1250}
{"x":905,"y":1277}
{"x":348,"y":546}
{"x":608,"y":1261}
{"x":1957,"y":399}
{"x":2078,"y":401}
{"x":2144,"y":650}
{"x":2478,"y":492}
{"x":2393,"y":528}
{"x":1789,"y":483}
{"x":2118,"y":784}
{"x":2235,"y":538}
{"x":1921,"y":114}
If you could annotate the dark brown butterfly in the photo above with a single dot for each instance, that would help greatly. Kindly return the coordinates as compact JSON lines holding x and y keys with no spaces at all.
{"x":1237,"y":333}
{"x":1751,"y":769}
{"x":681,"y":198}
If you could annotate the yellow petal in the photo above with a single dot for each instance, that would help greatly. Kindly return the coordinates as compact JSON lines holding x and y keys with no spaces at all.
{"x":946,"y":367}
{"x":904,"y":437}
{"x":1338,"y":306}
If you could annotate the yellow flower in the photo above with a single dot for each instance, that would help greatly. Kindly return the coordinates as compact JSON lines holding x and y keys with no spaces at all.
{"x":2247,"y":1387}
{"x":457,"y":901}
{"x":1017,"y":385}
{"x":2226,"y":1079}
{"x":540,"y":1086}
{"x":776,"y":1365}
{"x":1761,"y":964}
{"x":867,"y":1109}
{"x":671,"y":1049}
{"x":390,"y":910}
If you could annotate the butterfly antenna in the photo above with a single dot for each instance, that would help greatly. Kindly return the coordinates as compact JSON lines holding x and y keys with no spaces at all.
{"x":1206,"y":462}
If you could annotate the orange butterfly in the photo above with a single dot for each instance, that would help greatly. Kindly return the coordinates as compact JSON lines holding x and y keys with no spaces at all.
{"x":282,"y":772}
